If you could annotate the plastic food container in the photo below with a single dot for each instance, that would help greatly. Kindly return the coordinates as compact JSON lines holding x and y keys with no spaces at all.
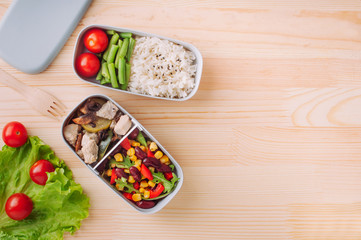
{"x":98,"y":167}
{"x":80,"y":48}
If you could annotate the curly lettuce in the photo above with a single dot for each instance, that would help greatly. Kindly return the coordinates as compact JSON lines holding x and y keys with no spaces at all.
{"x":59,"y":206}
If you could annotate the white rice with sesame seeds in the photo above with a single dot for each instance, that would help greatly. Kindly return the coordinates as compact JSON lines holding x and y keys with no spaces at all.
{"x":161,"y":68}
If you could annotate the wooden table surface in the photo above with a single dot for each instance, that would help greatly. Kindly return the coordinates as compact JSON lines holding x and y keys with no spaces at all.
{"x":270,"y":145}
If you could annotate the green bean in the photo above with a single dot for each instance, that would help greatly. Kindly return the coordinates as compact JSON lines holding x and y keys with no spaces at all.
{"x":107,"y":80}
{"x":123,"y":51}
{"x":105,"y":71}
{"x":112,"y":52}
{"x":120,"y":43}
{"x":110,"y":32}
{"x":127,"y":77}
{"x":126,"y":35}
{"x":130,"y":48}
{"x":121,"y":71}
{"x":99,"y":75}
{"x":113,"y":76}
{"x":112,"y":41}
{"x":103,"y":81}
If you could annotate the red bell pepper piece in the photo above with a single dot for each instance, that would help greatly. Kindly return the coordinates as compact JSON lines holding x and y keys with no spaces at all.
{"x":150,"y":154}
{"x":157,"y":191}
{"x":136,"y":185}
{"x":168,"y":175}
{"x":113,"y":176}
{"x":125,"y":144}
{"x":146,"y":172}
{"x":128,"y":195}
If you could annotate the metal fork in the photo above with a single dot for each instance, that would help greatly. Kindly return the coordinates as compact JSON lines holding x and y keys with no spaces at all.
{"x":41,"y":101}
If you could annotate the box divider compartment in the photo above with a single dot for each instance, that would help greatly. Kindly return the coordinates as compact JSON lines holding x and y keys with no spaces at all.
{"x":135,"y":125}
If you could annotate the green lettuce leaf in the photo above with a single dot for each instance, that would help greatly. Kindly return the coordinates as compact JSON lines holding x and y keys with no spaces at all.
{"x":59,"y":206}
{"x":125,"y":164}
{"x":127,"y":187}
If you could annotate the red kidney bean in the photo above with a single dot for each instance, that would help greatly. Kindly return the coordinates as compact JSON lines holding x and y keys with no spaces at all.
{"x":140,"y":153}
{"x":133,"y":135}
{"x":123,"y":151}
{"x":120,"y":173}
{"x":164,"y":168}
{"x":145,"y":204}
{"x":135,"y":173}
{"x":116,"y":150}
{"x":152,"y":162}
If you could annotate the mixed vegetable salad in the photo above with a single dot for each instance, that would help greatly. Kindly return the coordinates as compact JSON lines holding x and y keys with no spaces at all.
{"x":97,"y":126}
{"x":109,"y":58}
{"x":141,"y":171}
{"x":38,"y":197}
{"x":106,"y":138}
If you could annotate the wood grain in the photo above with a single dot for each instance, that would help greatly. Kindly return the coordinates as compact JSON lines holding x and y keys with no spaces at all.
{"x":270,"y":144}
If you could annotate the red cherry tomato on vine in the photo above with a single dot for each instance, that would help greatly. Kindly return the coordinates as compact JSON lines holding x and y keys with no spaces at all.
{"x":96,"y":40}
{"x":87,"y":64}
{"x":38,"y":171}
{"x":18,"y":206}
{"x":14,"y":134}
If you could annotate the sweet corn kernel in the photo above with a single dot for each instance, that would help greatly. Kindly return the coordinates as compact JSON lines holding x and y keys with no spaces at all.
{"x":138,"y":167}
{"x":151,"y":184}
{"x":138,"y":162}
{"x":131,"y":179}
{"x":126,"y":170}
{"x":153,"y":146}
{"x":146,"y":194}
{"x":119,"y":187}
{"x":152,"y":169}
{"x":118,"y":157}
{"x":158,"y":155}
{"x":143,"y":184}
{"x":164,"y":159}
{"x":141,"y":190}
{"x":112,"y":165}
{"x":130,"y":152}
{"x":109,"y":172}
{"x":135,"y":144}
{"x":167,"y":163}
{"x":133,"y":158}
{"x":149,"y":142}
{"x":143,"y":148}
{"x":136,"y":197}
{"x":143,"y":177}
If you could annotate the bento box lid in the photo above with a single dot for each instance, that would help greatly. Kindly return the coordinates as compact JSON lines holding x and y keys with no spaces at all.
{"x":32,"y":32}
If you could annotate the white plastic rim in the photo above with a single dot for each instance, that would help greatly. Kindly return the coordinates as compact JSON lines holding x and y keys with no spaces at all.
{"x":79,"y":48}
{"x":162,"y":202}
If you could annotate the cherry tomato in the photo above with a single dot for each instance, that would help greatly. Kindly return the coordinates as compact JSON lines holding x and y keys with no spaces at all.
{"x":14,"y":134}
{"x":87,"y":64}
{"x":96,"y":40}
{"x":18,"y":206}
{"x":38,"y":171}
